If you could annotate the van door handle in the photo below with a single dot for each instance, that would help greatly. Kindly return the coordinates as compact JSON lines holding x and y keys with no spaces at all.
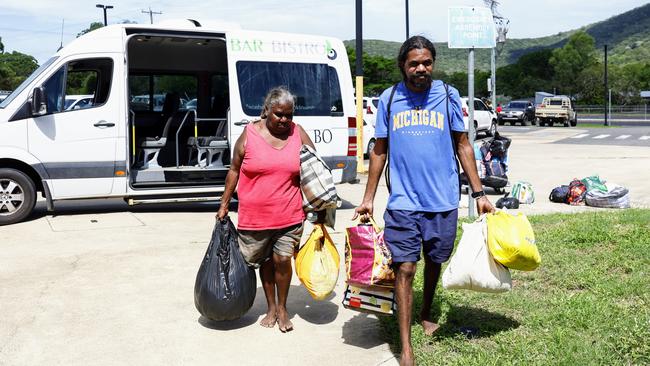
{"x":104,"y":124}
{"x":242,"y":122}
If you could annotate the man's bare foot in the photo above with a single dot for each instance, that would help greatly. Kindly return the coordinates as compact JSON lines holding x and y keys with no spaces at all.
{"x":284,"y":323}
{"x":270,"y":319}
{"x":406,"y":358}
{"x":429,"y":327}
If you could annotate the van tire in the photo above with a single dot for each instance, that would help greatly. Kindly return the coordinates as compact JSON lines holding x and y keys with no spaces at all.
{"x":18,"y":193}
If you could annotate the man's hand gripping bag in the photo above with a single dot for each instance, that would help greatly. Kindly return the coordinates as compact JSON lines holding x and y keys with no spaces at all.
{"x":225,"y":286}
{"x":511,"y":241}
{"x":317,"y":263}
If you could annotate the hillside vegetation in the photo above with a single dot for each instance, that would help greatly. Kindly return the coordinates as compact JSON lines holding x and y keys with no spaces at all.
{"x":627,"y":36}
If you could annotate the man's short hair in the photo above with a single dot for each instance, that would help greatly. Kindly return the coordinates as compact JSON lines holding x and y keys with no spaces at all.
{"x":415,"y":42}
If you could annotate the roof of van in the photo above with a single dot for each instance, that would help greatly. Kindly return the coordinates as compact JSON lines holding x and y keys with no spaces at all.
{"x":110,"y":38}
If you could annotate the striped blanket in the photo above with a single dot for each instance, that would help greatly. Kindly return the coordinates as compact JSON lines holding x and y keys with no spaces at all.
{"x":316,"y":182}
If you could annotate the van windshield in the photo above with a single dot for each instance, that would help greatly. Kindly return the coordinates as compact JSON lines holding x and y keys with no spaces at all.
{"x":316,"y":86}
{"x":27,"y":81}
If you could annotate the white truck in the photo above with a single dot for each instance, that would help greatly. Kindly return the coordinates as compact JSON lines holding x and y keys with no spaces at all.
{"x":556,"y":109}
{"x":127,"y":146}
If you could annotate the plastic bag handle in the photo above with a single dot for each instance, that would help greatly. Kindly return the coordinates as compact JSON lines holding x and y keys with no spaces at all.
{"x":372,"y":222}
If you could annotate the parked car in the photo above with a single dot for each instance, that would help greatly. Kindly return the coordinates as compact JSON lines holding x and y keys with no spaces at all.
{"x":521,"y":111}
{"x":368,"y":136}
{"x":485,"y":120}
{"x":370,"y":110}
{"x":78,"y":102}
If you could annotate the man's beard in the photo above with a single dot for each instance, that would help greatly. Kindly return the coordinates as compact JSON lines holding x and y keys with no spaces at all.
{"x":418,"y":83}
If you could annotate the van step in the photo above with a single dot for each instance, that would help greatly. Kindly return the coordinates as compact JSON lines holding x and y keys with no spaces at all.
{"x":140,"y":201}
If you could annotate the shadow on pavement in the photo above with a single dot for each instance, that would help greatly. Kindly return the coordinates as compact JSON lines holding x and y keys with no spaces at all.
{"x":362,"y":331}
{"x":299,"y":303}
{"x":99,"y":206}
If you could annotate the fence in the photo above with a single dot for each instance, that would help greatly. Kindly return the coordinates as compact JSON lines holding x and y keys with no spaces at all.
{"x":639,"y":111}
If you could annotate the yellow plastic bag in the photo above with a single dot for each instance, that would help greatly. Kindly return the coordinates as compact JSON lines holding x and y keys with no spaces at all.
{"x":317,"y":263}
{"x":511,"y":241}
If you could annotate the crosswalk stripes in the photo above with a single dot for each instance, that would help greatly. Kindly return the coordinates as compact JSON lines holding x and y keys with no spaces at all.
{"x":604,"y":136}
{"x":580,"y":136}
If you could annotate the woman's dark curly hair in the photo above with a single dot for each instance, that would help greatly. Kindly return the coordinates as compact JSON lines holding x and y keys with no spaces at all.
{"x":415,"y":42}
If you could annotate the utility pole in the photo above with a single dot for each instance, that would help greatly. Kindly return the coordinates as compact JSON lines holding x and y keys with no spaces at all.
{"x":102,"y":6}
{"x":407,"y":19}
{"x":151,"y":13}
{"x":359,"y":87}
{"x":606,"y":89}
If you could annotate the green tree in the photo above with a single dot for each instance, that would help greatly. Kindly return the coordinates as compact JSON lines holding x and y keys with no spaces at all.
{"x":91,"y":27}
{"x":568,"y":62}
{"x":14,"y":68}
{"x":2,"y":46}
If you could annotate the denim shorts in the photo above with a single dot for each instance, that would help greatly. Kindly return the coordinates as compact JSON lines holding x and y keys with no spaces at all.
{"x":407,"y":233}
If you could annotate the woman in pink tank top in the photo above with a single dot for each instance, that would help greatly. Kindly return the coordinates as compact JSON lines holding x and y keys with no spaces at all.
{"x":266,"y":171}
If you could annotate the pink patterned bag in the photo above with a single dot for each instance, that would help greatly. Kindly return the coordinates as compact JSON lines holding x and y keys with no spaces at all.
{"x":367,"y":258}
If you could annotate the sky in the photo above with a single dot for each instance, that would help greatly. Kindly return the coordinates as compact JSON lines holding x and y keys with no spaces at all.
{"x":34,"y":27}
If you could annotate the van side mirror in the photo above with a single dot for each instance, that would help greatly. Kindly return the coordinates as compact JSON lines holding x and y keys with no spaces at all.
{"x":39,"y":107}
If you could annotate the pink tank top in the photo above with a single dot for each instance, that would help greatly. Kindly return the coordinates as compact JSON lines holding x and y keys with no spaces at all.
{"x":269,"y":183}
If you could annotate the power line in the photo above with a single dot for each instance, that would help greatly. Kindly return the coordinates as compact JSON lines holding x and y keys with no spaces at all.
{"x":151,"y":13}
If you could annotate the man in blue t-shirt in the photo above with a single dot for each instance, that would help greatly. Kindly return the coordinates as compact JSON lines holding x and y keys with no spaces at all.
{"x":422,"y":210}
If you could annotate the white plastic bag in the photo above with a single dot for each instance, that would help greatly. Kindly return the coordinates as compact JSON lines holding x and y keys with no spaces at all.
{"x":472,"y":267}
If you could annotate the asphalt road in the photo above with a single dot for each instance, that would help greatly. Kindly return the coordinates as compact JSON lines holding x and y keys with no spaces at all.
{"x":616,"y":135}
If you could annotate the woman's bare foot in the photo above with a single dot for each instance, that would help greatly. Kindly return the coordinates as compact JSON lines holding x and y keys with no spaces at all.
{"x":284,"y":323}
{"x":270,"y":319}
{"x":429,"y":327}
{"x":406,"y":358}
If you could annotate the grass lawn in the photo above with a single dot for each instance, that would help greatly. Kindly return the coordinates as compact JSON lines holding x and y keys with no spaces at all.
{"x":596,"y":125}
{"x":587,"y":304}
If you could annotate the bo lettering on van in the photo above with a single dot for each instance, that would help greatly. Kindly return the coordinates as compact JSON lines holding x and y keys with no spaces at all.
{"x":324,"y":136}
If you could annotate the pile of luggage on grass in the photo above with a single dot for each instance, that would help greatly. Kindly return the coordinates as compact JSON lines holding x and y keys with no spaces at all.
{"x":592,"y":191}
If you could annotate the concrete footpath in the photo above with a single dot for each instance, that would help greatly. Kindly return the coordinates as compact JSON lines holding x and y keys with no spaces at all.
{"x":103,"y":284}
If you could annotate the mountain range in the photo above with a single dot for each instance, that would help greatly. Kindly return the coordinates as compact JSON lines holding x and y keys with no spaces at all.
{"x":626,"y":35}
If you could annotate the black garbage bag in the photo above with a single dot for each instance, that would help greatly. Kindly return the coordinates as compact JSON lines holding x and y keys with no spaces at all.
{"x":225,"y":286}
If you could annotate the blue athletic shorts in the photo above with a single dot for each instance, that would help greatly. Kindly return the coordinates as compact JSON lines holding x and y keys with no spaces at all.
{"x":407,"y":233}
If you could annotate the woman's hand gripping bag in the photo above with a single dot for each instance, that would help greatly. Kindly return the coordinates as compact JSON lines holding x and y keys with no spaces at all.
{"x":511,"y":241}
{"x":367,"y":258}
{"x":317,"y":263}
{"x":472,"y":267}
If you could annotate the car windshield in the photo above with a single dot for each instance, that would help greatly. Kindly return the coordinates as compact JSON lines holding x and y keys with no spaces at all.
{"x":517,"y":105}
{"x":27,"y":81}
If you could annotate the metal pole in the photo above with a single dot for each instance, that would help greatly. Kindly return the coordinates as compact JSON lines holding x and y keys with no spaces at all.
{"x":609,"y":111}
{"x":407,"y":19}
{"x":494,"y":78}
{"x":606,"y":88}
{"x":470,"y":120}
{"x":105,"y":19}
{"x":361,"y":168}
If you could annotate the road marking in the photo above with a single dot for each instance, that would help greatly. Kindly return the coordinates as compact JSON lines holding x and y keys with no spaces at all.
{"x":623,"y":137}
{"x":600,"y":136}
{"x":644,"y":138}
{"x":580,"y":136}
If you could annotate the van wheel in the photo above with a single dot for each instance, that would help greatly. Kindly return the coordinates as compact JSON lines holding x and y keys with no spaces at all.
{"x":17,"y":196}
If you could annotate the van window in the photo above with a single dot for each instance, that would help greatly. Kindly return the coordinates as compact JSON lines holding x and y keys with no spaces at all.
{"x":316,"y":86}
{"x":88,"y":81}
{"x":148,"y":91}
